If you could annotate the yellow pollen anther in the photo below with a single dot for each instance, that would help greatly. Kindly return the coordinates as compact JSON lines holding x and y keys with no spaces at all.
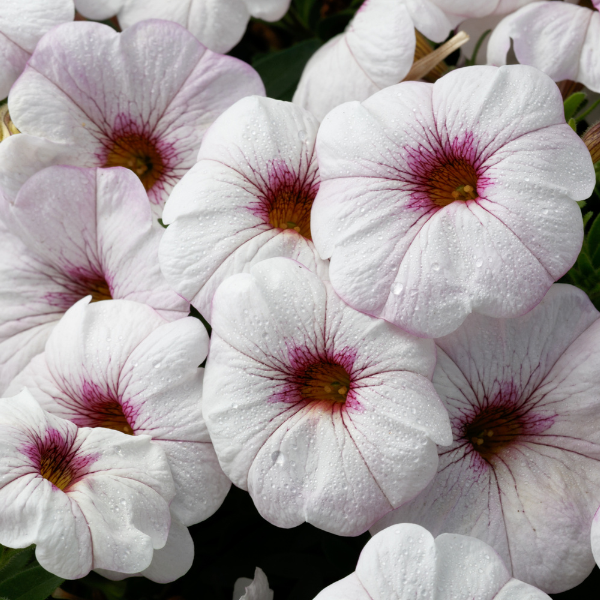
{"x":490,"y":433}
{"x":342,"y":390}
{"x":297,"y":229}
{"x":327,"y":389}
{"x":477,"y":441}
{"x":283,"y":225}
{"x":455,"y":194}
{"x":468,"y":189}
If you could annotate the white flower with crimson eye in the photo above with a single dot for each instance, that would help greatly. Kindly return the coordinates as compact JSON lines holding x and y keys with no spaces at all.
{"x":75,"y":232}
{"x":22,"y":24}
{"x":248,"y":198}
{"x":558,"y":38}
{"x":374,"y":52}
{"x":87,"y":498}
{"x":441,"y":200}
{"x":324,"y":414}
{"x":140,"y":99}
{"x":120,"y":366}
{"x":405,"y":561}
{"x":523,"y":473}
{"x":218,"y":24}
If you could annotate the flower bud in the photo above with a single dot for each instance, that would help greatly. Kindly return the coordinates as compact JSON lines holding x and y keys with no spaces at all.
{"x":592,"y":141}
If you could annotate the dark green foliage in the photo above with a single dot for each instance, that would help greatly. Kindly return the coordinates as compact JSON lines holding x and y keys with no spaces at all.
{"x":22,"y":578}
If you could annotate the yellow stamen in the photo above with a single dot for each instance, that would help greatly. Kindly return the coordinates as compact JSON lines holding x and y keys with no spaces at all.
{"x":342,"y":390}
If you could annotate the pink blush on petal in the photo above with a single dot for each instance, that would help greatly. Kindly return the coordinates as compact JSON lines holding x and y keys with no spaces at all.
{"x":79,"y":283}
{"x":57,"y":460}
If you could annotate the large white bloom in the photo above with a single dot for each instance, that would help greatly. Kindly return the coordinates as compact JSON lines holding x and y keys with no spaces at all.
{"x":405,"y":561}
{"x":248,"y":198}
{"x":141,"y":99}
{"x":75,"y":232}
{"x":558,"y":38}
{"x":119,"y":365}
{"x":441,"y":200}
{"x":218,"y":24}
{"x":87,"y":498}
{"x":374,"y":52}
{"x":22,"y":24}
{"x":523,"y":473}
{"x":324,"y":414}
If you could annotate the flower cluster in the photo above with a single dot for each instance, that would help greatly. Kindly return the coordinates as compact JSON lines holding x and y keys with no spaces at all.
{"x":347,"y":304}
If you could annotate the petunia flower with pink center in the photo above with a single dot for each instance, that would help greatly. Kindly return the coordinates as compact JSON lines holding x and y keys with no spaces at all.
{"x":435,"y":19}
{"x":523,"y":473}
{"x":558,"y":38}
{"x":22,"y":24}
{"x":87,"y":498}
{"x":248,"y":198}
{"x":406,"y":561}
{"x":439,"y":200}
{"x":141,"y":99}
{"x":71,"y":233}
{"x":218,"y":24}
{"x":322,"y":413}
{"x":120,"y":366}
{"x":374,"y":52}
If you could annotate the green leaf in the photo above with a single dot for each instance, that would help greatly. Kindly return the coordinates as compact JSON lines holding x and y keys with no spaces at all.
{"x":34,"y":583}
{"x":309,"y":12}
{"x":572,"y":124}
{"x":334,"y":25}
{"x":572,"y":104}
{"x":281,"y":71}
{"x":13,"y":561}
{"x":584,"y":265}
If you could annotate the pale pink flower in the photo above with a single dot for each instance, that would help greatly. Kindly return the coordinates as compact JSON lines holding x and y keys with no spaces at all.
{"x":322,"y":413}
{"x":375,"y":51}
{"x":523,"y":474}
{"x":441,"y":200}
{"x":75,"y":232}
{"x":558,"y":38}
{"x":119,"y":365}
{"x":248,"y":198}
{"x":405,"y":561}
{"x":22,"y":24}
{"x":218,"y":24}
{"x":87,"y":498}
{"x":140,"y":99}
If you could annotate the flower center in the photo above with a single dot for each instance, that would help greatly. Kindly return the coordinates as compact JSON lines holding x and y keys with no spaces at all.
{"x":287,"y":199}
{"x":325,"y":381}
{"x":57,"y":459}
{"x":493,"y":429}
{"x":111,"y":416}
{"x":99,"y":290}
{"x":139,"y":154}
{"x":451,"y":181}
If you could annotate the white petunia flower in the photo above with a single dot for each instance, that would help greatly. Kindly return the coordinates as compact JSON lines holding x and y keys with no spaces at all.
{"x":75,"y":232}
{"x":218,"y":24}
{"x":119,"y":365}
{"x":87,"y":498}
{"x":375,"y":51}
{"x":441,"y":200}
{"x":405,"y":561}
{"x":140,"y":99}
{"x":558,"y":38}
{"x":22,"y":24}
{"x":248,"y":198}
{"x":523,"y":473}
{"x":324,"y":414}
